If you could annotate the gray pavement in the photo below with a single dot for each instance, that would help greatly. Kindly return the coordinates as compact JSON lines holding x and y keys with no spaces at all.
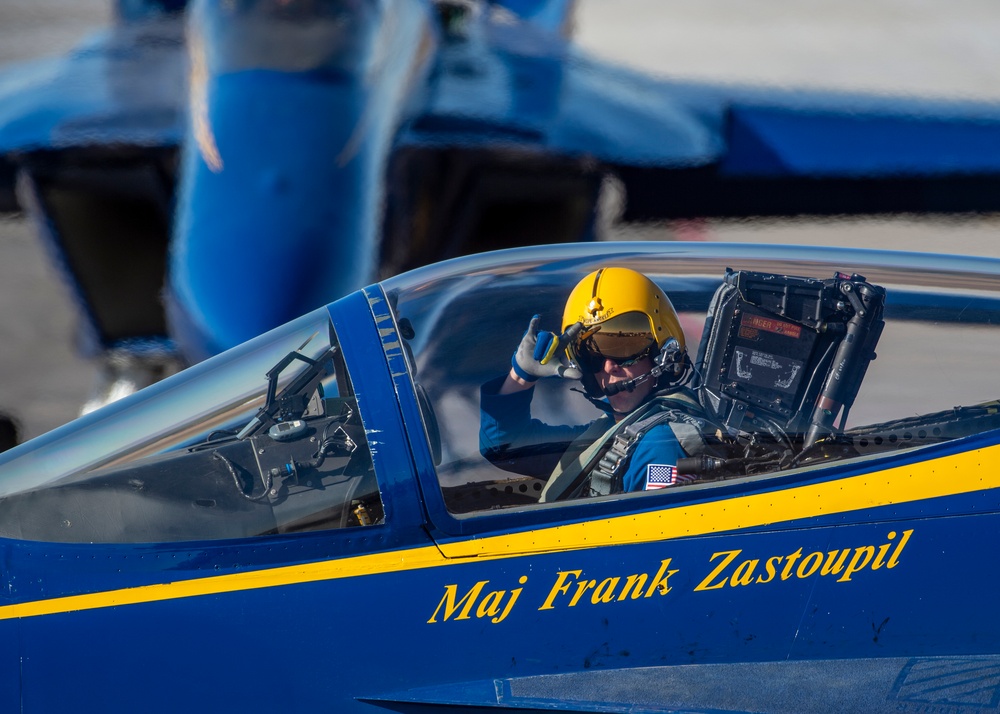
{"x":39,"y":28}
{"x":925,"y":47}
{"x":887,"y":46}
{"x":42,"y":380}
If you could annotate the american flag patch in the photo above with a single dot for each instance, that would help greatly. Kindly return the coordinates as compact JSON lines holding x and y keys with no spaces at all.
{"x":662,"y":475}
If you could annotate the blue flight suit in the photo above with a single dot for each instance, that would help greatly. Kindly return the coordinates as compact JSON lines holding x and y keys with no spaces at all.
{"x":512,"y":440}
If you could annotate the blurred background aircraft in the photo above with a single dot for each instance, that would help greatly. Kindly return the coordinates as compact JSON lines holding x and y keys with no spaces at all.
{"x":898,"y":48}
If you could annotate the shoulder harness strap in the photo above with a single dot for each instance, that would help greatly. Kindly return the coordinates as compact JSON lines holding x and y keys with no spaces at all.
{"x":606,"y":478}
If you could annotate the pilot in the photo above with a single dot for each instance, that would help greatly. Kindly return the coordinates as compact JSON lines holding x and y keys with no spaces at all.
{"x":625,"y":344}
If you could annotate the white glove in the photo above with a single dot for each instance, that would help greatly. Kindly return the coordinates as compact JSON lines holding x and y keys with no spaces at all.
{"x":543,"y":354}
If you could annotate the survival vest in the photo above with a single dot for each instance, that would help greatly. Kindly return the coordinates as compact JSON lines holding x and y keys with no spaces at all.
{"x":606,"y":458}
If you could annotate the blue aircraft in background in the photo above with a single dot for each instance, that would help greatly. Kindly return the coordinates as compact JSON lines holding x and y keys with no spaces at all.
{"x":204,"y":172}
{"x":305,"y":522}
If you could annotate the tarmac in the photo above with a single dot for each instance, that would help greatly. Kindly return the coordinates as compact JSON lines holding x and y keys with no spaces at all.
{"x":908,"y":47}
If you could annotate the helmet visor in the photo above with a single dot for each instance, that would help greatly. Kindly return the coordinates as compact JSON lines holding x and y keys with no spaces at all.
{"x":624,"y":339}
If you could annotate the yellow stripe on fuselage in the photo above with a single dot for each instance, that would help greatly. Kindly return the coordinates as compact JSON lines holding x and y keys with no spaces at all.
{"x":391,"y":562}
{"x":966,"y":472}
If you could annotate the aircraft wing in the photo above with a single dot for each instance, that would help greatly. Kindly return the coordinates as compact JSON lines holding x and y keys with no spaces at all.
{"x":120,"y":92}
{"x":821,"y":153}
{"x":687,"y":149}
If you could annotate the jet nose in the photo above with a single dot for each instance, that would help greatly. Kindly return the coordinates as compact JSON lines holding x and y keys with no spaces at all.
{"x":278,"y":205}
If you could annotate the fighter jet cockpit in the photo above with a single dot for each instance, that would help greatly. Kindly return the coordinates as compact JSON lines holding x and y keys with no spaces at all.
{"x":264,"y":439}
{"x":554,"y":377}
{"x":776,"y":369}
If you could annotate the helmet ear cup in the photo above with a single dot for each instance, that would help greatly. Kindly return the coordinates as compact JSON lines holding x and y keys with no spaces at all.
{"x":671,"y":356}
{"x":674,"y":362}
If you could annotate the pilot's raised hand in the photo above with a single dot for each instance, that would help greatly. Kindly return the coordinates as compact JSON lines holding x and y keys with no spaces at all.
{"x":543,"y":353}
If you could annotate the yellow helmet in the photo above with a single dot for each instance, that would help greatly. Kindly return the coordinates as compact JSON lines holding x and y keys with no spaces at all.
{"x":611,"y":293}
{"x":625,"y":316}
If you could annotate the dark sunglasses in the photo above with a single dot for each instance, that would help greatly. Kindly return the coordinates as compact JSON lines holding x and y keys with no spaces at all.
{"x":623,"y":350}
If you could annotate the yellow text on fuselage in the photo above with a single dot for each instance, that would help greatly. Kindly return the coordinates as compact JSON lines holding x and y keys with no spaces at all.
{"x":843,"y":562}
